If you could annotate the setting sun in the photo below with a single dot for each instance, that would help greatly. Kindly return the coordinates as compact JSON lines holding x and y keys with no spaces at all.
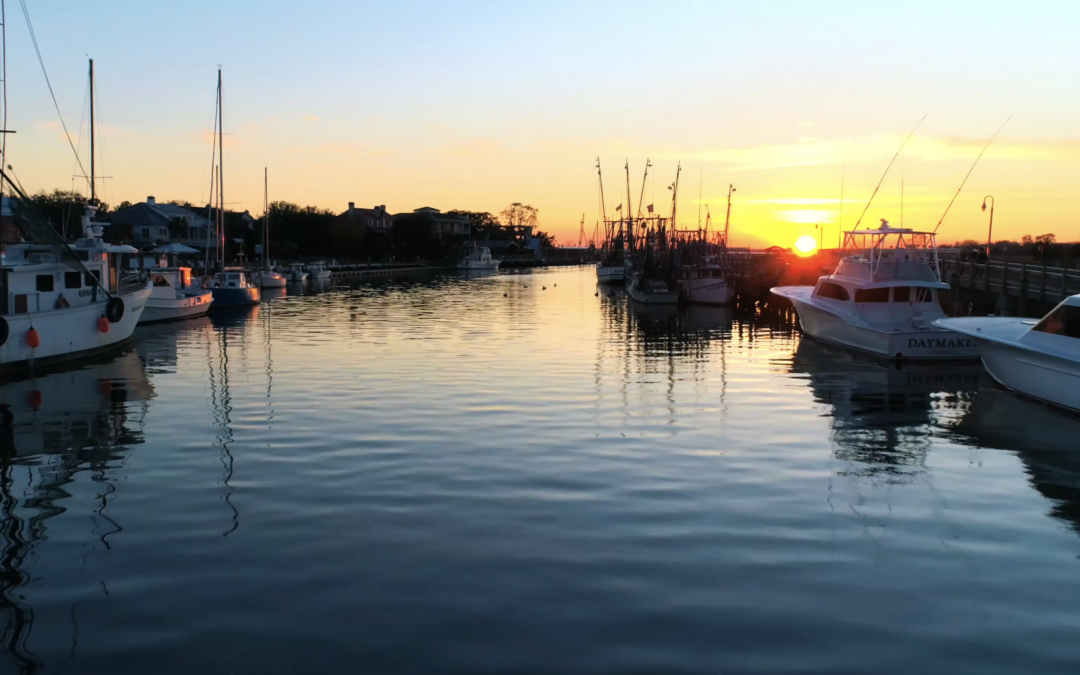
{"x":806,"y":244}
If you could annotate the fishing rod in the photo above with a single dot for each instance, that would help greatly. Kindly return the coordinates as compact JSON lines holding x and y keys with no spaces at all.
{"x":887,"y":173}
{"x":969,"y":173}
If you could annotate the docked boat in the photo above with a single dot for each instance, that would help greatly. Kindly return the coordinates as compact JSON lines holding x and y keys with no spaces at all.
{"x":651,"y":291}
{"x":478,"y":258}
{"x":705,"y":284}
{"x":1039,"y":359}
{"x":60,"y":302}
{"x":267,"y":279}
{"x":296,"y":272}
{"x":231,"y":288}
{"x":882,"y":299}
{"x":317,"y":271}
{"x":173,"y":297}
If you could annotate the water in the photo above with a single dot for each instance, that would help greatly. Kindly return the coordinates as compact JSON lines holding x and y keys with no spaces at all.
{"x":481,"y":475}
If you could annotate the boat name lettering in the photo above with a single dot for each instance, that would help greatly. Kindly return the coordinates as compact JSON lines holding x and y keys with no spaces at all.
{"x":940,"y":343}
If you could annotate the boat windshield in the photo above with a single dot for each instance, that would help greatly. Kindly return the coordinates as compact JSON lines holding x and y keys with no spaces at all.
{"x":1065,"y":320}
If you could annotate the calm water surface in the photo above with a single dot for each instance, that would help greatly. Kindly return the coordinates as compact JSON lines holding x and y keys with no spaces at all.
{"x":480,"y":475}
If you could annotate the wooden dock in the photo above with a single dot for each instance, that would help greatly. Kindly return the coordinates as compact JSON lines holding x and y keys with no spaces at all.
{"x":1013,"y":286}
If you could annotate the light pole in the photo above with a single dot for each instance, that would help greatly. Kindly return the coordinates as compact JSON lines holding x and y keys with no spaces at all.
{"x":990,"y":232}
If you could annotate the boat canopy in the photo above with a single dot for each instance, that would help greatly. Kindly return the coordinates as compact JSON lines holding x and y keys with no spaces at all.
{"x":890,"y":252}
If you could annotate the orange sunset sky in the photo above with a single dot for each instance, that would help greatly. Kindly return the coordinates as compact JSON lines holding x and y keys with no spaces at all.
{"x":474,"y":105}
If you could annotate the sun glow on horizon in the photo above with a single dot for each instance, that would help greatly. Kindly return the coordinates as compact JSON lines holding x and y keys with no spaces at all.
{"x":805,"y":245}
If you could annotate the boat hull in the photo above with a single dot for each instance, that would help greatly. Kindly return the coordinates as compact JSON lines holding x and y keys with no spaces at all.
{"x":1033,"y":374}
{"x":611,"y":274}
{"x":707,"y":291}
{"x":235,"y":297}
{"x":268,"y":281}
{"x":320,"y":276}
{"x":927,"y":344}
{"x":653,"y":297}
{"x":158,"y":310}
{"x":68,"y":335}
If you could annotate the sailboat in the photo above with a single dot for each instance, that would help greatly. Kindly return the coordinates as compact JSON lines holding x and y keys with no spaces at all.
{"x":267,"y":277}
{"x":230,"y":286}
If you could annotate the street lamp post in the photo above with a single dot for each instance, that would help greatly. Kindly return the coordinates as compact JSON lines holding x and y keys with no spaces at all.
{"x":990,"y":232}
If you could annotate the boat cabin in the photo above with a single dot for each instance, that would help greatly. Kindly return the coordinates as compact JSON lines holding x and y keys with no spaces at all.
{"x":42,"y":277}
{"x":889,"y":253}
{"x":230,"y":279}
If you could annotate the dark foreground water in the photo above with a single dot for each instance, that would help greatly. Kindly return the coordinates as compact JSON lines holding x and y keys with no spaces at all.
{"x":480,"y":475}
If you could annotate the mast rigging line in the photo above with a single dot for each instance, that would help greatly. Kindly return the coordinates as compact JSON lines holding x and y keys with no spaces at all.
{"x":906,"y":139}
{"x":33,"y":38}
{"x":969,"y":173}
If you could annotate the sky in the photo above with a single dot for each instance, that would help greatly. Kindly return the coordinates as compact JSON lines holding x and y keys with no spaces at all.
{"x":474,"y":105}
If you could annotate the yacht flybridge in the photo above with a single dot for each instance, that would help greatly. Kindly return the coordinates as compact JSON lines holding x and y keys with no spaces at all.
{"x":883,"y":298}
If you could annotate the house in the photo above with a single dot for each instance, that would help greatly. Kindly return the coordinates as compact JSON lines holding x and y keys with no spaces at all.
{"x":444,"y":224}
{"x":370,"y":220}
{"x":153,"y":223}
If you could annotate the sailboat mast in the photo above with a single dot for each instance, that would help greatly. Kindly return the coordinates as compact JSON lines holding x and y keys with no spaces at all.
{"x":93,"y":186}
{"x":221,"y":172}
{"x":629,"y":207}
{"x":727,"y":218}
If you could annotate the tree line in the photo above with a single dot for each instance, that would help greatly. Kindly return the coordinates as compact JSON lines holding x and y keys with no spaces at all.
{"x":312,"y":232}
{"x":1042,"y":248}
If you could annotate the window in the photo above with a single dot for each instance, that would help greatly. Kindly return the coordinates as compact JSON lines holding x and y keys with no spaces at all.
{"x":833,"y":291}
{"x":44,"y":283}
{"x":72,"y":280}
{"x":924,"y":294}
{"x":91,"y":278}
{"x":872,"y":295}
{"x":146,"y":232}
{"x":901,"y":294}
{"x":1065,"y":320}
{"x":944,"y":299}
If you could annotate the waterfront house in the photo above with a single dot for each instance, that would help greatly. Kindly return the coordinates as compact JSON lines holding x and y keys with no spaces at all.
{"x":153,"y":223}
{"x":375,"y":219}
{"x":444,"y":224}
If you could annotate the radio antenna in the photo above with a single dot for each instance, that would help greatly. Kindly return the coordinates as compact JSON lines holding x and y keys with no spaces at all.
{"x":886,"y":173}
{"x":969,"y":173}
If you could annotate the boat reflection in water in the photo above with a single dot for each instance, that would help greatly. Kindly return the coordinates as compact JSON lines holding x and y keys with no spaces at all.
{"x":53,"y":428}
{"x":882,"y":413}
{"x":1045,"y":440}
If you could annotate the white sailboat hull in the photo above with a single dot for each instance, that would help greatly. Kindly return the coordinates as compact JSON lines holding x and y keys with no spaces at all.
{"x":68,"y":334}
{"x":926,"y":344}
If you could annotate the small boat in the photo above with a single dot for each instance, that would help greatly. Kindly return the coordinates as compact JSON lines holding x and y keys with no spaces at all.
{"x":267,"y":279}
{"x":882,"y":299}
{"x":173,"y":297}
{"x":651,"y":291}
{"x":231,"y":288}
{"x":296,"y":272}
{"x":705,"y":284}
{"x":60,"y":302}
{"x":612,"y":273}
{"x":317,"y":271}
{"x":1039,"y":359}
{"x":478,"y":258}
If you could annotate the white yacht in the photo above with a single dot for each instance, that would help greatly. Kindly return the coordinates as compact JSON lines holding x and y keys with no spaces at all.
{"x":317,"y":271}
{"x":61,"y":303}
{"x":1040,"y":359}
{"x":883,"y":298}
{"x":705,"y":284}
{"x":478,"y":258}
{"x":173,"y":297}
{"x":651,"y":291}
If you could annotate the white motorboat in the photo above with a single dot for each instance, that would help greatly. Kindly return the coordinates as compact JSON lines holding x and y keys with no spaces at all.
{"x":651,"y":291}
{"x":883,"y":299}
{"x":231,"y":288}
{"x":1039,"y":359}
{"x":612,"y":273}
{"x":705,"y":284}
{"x":173,"y":297}
{"x":62,"y":303}
{"x":267,"y":279}
{"x":317,"y":271}
{"x":478,"y":258}
{"x":296,"y":272}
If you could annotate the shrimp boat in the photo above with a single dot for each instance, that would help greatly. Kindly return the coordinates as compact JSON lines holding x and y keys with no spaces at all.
{"x":1038,"y":359}
{"x":882,"y":299}
{"x":61,"y":302}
